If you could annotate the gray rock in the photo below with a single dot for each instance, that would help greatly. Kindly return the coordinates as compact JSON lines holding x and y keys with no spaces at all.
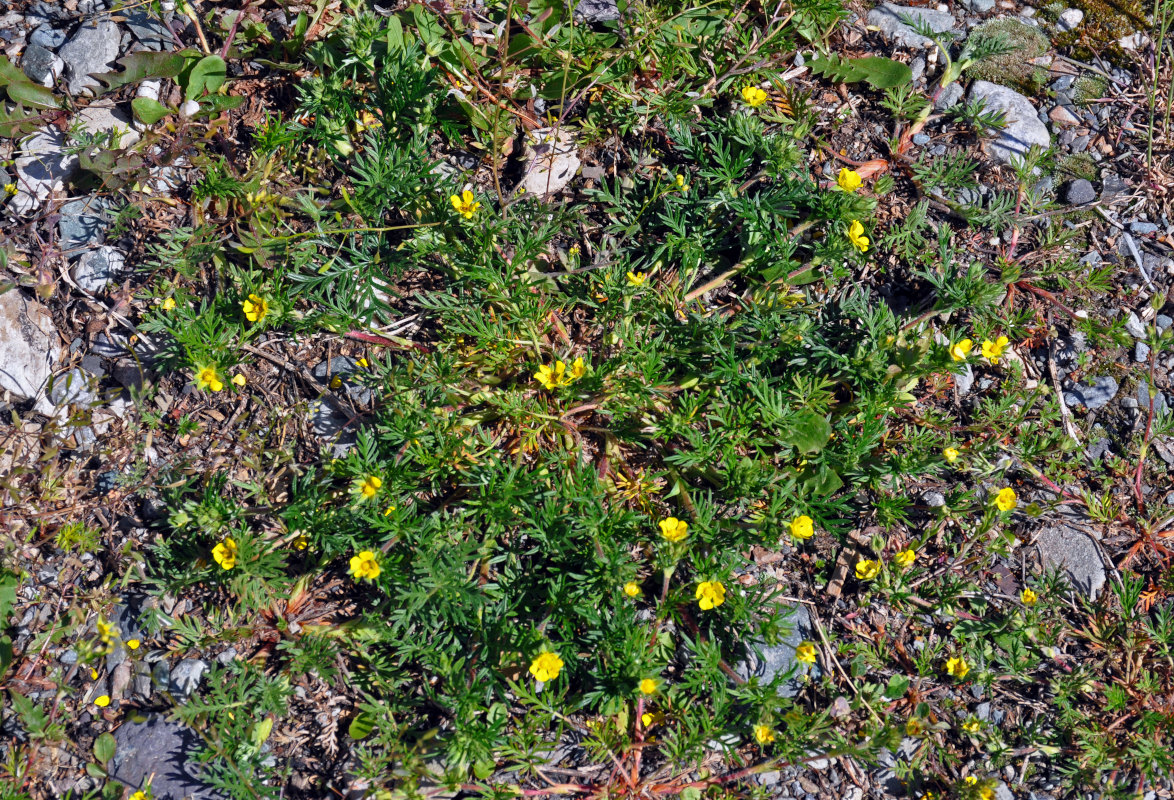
{"x":73,"y":388}
{"x":1094,"y":395}
{"x":549,"y":162}
{"x":980,"y":6}
{"x":150,"y":32}
{"x":950,"y":97}
{"x":92,"y":49}
{"x":934,"y":499}
{"x":28,"y":348}
{"x":48,"y":37}
{"x":162,"y":752}
{"x":1070,"y":18}
{"x":887,"y":17}
{"x":84,"y":222}
{"x":765,"y":662}
{"x":42,"y":168}
{"x":43,"y":10}
{"x":920,"y":139}
{"x":185,"y":677}
{"x":1002,"y":792}
{"x":964,"y":381}
{"x":1163,"y":322}
{"x":1141,"y":352}
{"x":1063,"y":83}
{"x":1098,"y":449}
{"x":592,"y":11}
{"x":129,"y":373}
{"x":1134,"y":326}
{"x":330,"y":422}
{"x":918,"y":68}
{"x":1112,"y":185}
{"x":68,"y":658}
{"x":1023,"y":128}
{"x":96,"y":268}
{"x":1142,"y":228}
{"x":339,"y":365}
{"x":1076,"y":553}
{"x":103,"y":117}
{"x":40,"y":65}
{"x":1080,"y":192}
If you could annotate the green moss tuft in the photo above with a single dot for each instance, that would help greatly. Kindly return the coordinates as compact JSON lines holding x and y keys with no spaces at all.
{"x":1105,"y":22}
{"x":1015,"y":68}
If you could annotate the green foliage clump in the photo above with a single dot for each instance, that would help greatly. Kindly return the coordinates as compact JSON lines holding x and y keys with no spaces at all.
{"x":1012,"y":67}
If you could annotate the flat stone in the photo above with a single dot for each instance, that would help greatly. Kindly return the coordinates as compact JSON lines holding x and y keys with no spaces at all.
{"x":185,"y":677}
{"x":1023,"y":128}
{"x":1163,"y":322}
{"x":150,"y":32}
{"x":887,"y":17}
{"x":549,"y":162}
{"x":950,"y":97}
{"x":96,"y":268}
{"x":48,"y":37}
{"x":1112,"y":185}
{"x":92,"y":49}
{"x":765,"y":662}
{"x":1143,"y":228}
{"x":1094,"y":395}
{"x":979,"y":6}
{"x":73,"y":388}
{"x":84,"y":222}
{"x":592,"y":11}
{"x":40,"y":65}
{"x":964,"y":381}
{"x":1062,"y":116}
{"x":103,"y":117}
{"x":1076,"y":553}
{"x":1080,"y":192}
{"x":1134,"y":326}
{"x":1143,"y":398}
{"x":164,"y":753}
{"x":1070,"y":18}
{"x":1141,"y":352}
{"x":42,"y":168}
{"x":28,"y":348}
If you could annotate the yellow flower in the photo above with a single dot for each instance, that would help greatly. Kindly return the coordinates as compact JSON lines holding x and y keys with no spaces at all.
{"x":465,"y":205}
{"x":256,"y":308}
{"x":105,"y":630}
{"x":673,"y":529}
{"x":367,"y":120}
{"x":102,"y":701}
{"x":993,"y":351}
{"x":578,"y":369}
{"x":301,"y":542}
{"x":133,"y":644}
{"x":648,"y":686}
{"x":971,"y":725}
{"x":207,"y":377}
{"x":362,"y":362}
{"x":336,"y":382}
{"x":637,"y":278}
{"x":546,"y":667}
{"x":1006,"y":500}
{"x":970,"y":780}
{"x":168,"y":304}
{"x":239,"y":379}
{"x":364,"y":566}
{"x":368,"y":487}
{"x":139,"y":796}
{"x":914,"y":727}
{"x":225,"y":553}
{"x":867,"y":569}
{"x":849,"y":180}
{"x":10,"y":189}
{"x":763,"y":734}
{"x":651,"y":718}
{"x":960,"y":350}
{"x":856,"y":236}
{"x":1028,"y":596}
{"x":957,"y":667}
{"x":753,"y":96}
{"x":632,"y":589}
{"x":801,"y":527}
{"x":710,"y":594}
{"x":951,"y":454}
{"x":805,"y":652}
{"x":93,"y":674}
{"x":905,"y":558}
{"x":555,"y":375}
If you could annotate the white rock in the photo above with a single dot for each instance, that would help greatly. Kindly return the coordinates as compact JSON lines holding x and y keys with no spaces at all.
{"x":189,"y":108}
{"x":1070,"y":18}
{"x":97,"y":268}
{"x":28,"y":348}
{"x":1134,"y":41}
{"x":550,"y":162}
{"x":42,"y":168}
{"x":1023,"y":127}
{"x":103,"y":117}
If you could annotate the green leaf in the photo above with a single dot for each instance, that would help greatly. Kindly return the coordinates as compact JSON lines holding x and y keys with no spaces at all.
{"x":809,"y":432}
{"x":143,"y":66}
{"x":898,"y":685}
{"x":206,"y":76}
{"x":883,"y":73}
{"x":148,"y":111}
{"x":691,"y":793}
{"x":361,"y":726}
{"x":22,"y":90}
{"x":105,"y":747}
{"x":95,"y":771}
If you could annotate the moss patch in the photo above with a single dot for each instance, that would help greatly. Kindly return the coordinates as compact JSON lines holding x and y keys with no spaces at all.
{"x":1105,"y":22}
{"x":1013,"y":69}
